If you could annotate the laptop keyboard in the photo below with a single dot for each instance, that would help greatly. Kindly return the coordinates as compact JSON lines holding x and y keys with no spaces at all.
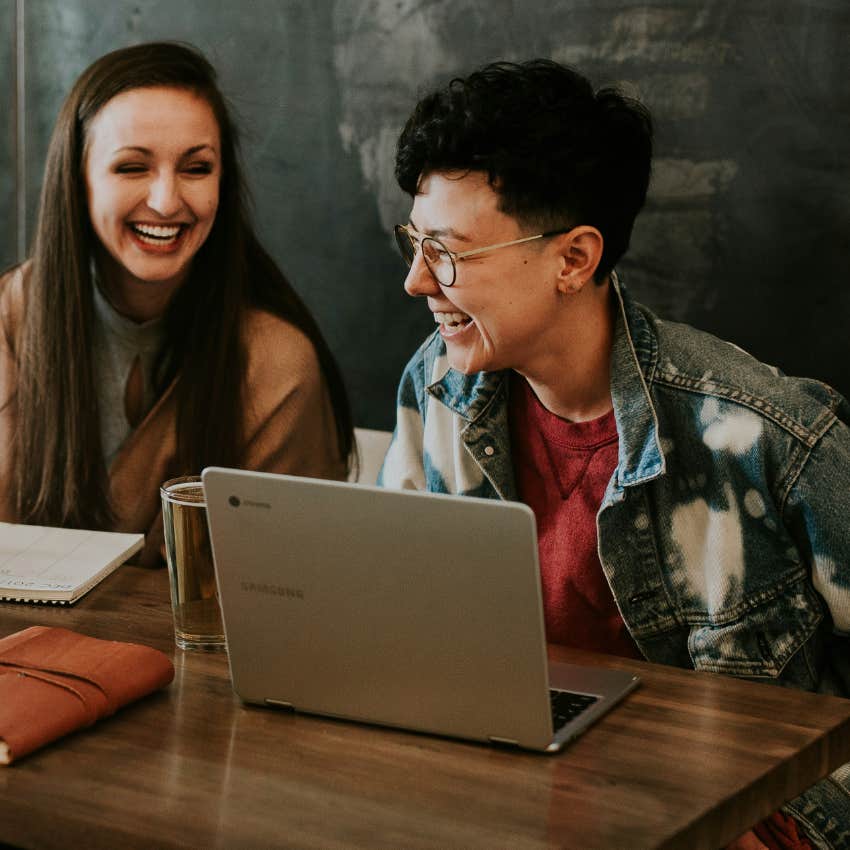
{"x":566,"y":706}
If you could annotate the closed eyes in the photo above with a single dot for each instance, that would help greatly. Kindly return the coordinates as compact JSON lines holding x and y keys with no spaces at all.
{"x":194,"y":169}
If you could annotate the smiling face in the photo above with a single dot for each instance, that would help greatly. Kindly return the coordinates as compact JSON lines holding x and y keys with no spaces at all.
{"x":502,"y":310}
{"x":152,"y":169}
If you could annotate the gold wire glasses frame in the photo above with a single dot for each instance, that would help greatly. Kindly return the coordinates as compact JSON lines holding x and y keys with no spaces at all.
{"x":441,"y":262}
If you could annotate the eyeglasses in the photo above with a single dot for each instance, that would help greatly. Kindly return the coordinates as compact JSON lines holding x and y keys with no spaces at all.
{"x":441,"y":262}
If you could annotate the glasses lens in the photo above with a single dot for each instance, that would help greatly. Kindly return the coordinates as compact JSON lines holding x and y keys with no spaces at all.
{"x":405,"y":244}
{"x":439,"y":261}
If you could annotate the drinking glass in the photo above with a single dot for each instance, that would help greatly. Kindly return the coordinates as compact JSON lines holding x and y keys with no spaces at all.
{"x":194,"y":593}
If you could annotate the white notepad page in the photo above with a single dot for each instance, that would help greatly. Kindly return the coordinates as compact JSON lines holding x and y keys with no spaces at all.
{"x":58,"y":564}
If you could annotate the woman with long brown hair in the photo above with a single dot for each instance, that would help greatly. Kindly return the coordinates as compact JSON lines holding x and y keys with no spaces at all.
{"x":150,"y":334}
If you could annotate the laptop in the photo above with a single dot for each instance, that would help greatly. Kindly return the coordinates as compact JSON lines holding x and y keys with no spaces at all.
{"x":414,"y":610}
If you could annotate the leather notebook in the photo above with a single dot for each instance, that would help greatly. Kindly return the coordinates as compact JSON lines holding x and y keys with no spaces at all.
{"x":54,"y":681}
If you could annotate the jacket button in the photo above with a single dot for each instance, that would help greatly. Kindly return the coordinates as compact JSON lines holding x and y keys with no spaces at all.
{"x":489,"y":451}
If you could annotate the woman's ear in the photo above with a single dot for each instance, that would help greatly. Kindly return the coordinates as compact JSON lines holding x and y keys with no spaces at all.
{"x":581,"y":251}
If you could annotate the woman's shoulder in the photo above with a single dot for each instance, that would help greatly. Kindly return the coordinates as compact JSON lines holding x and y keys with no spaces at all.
{"x":13,"y":280}
{"x":12,"y":283}
{"x":277,"y":347}
{"x":264,"y":329}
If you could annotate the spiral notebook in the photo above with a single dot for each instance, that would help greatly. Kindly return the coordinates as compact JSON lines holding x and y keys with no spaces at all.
{"x":58,"y":565}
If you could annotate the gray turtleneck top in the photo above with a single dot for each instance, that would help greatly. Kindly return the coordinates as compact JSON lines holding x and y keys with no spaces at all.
{"x":118,"y":341}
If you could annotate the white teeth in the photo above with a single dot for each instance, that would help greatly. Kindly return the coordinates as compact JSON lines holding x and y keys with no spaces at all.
{"x":156,"y":231}
{"x":450,"y":318}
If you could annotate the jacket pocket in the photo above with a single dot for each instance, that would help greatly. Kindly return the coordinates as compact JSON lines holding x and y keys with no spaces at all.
{"x":764,"y":640}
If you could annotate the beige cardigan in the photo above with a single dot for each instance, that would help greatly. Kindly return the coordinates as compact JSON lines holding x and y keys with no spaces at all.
{"x":289,"y":422}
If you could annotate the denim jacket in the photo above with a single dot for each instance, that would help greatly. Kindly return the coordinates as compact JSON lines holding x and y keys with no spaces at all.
{"x":723,"y":531}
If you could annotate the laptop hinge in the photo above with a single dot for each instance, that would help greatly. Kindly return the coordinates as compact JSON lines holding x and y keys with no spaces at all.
{"x":507,"y":742}
{"x":279,"y":703}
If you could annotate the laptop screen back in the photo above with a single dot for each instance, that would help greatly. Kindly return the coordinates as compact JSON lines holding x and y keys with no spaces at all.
{"x":403,"y":608}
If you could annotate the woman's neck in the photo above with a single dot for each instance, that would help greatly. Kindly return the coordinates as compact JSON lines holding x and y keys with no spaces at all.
{"x":138,"y":300}
{"x":573,"y":380}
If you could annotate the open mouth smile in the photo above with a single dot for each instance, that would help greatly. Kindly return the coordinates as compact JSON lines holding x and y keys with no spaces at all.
{"x":452,"y":324}
{"x":452,"y":321}
{"x":162,"y":236}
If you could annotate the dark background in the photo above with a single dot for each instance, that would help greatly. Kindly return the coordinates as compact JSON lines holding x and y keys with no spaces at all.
{"x":747,"y":229}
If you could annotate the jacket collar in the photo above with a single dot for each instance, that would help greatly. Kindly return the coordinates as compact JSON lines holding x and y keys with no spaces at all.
{"x":633,"y":360}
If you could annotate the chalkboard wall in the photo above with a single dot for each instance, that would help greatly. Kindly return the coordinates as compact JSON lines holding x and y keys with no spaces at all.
{"x":747,"y":229}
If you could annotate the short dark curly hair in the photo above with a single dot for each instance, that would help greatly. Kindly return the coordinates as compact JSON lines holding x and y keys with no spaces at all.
{"x":557,"y":153}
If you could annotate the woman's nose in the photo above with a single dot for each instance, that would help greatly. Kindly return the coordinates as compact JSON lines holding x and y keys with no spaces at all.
{"x":164,"y":195}
{"x":419,"y":280}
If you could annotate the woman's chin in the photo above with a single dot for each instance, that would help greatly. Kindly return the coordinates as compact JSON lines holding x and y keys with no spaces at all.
{"x":468,"y":362}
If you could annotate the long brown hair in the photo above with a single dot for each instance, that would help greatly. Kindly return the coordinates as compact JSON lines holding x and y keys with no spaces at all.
{"x":60,"y":473}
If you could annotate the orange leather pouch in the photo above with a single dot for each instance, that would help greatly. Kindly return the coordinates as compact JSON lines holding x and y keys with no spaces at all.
{"x":53,"y":681}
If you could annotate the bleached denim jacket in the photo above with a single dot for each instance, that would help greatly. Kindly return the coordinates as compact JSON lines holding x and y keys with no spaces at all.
{"x":724,"y":531}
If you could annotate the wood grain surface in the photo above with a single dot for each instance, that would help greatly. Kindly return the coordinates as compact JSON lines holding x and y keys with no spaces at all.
{"x":689,"y":760}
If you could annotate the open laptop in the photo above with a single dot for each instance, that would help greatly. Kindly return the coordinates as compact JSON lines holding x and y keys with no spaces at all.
{"x":395,"y":607}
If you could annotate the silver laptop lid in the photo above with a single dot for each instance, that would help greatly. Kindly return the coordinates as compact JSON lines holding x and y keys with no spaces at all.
{"x":403,"y":608}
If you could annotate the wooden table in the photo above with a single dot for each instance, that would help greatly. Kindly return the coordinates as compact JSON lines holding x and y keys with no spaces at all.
{"x":689,"y":760}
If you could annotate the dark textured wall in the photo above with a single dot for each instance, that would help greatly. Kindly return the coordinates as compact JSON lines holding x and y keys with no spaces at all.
{"x":8,"y":217}
{"x":747,"y":230}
